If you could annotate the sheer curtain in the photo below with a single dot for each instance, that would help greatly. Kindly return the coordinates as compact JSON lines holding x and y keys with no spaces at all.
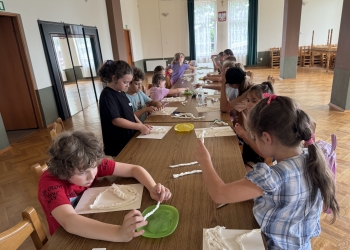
{"x":205,"y":29}
{"x":83,"y":57}
{"x":238,"y":29}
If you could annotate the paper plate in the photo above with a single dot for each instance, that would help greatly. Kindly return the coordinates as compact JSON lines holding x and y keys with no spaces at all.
{"x":162,"y":223}
{"x":184,"y":127}
{"x":201,"y":78}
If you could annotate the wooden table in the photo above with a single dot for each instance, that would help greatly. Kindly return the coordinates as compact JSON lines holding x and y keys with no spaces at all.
{"x":324,"y":50}
{"x":190,"y":107}
{"x":190,"y":197}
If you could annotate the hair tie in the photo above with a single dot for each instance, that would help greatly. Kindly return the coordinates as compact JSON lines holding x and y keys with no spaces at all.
{"x":311,"y":140}
{"x":271,"y":97}
{"x":266,"y":95}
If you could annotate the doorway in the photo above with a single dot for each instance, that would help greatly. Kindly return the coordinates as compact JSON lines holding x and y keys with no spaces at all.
{"x":19,"y":106}
{"x":73,"y":55}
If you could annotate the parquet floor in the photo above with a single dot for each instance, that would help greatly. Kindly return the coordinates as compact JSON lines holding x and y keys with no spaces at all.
{"x":311,"y":88}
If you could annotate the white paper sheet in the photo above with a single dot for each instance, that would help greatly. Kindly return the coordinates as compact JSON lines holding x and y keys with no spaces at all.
{"x":157,"y":132}
{"x":214,"y":132}
{"x":174,"y":99}
{"x":252,"y":242}
{"x":90,"y":195}
{"x":164,"y":111}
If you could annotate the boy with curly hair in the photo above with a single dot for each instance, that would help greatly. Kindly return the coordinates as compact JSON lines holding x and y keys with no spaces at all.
{"x":76,"y":161}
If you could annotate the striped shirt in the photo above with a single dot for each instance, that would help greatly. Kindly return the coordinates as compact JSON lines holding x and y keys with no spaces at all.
{"x":289,"y":211}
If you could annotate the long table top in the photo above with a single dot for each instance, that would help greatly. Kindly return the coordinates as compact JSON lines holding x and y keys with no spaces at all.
{"x":190,"y":197}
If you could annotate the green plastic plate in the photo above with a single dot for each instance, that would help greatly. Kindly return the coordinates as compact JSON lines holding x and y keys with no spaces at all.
{"x":162,"y":223}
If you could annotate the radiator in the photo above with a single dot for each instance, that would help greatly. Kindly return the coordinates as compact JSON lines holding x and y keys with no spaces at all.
{"x":151,"y":64}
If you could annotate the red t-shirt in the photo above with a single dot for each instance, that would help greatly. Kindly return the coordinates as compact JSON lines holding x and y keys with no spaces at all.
{"x":53,"y":192}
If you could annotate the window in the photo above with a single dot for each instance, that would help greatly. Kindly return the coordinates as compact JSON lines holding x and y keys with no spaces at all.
{"x":205,"y":29}
{"x":238,"y":28}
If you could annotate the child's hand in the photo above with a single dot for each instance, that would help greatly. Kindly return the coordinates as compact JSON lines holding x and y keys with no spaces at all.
{"x":201,"y":153}
{"x":159,"y":106}
{"x":145,"y":129}
{"x":132,"y":221}
{"x":240,"y":131}
{"x":150,"y":109}
{"x":197,"y":85}
{"x":160,"y":193}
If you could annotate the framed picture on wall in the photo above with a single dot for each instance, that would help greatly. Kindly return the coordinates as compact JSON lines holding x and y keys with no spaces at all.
{"x":221,"y":16}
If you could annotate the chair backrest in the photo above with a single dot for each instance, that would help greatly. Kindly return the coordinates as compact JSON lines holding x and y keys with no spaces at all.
{"x":59,"y":125}
{"x":30,"y":225}
{"x":57,"y":128}
{"x":37,"y":170}
{"x":250,"y":74}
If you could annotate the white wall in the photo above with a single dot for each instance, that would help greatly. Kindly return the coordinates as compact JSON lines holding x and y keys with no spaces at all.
{"x":91,"y":13}
{"x":163,"y":36}
{"x":130,"y":16}
{"x":320,"y":15}
{"x":317,"y":15}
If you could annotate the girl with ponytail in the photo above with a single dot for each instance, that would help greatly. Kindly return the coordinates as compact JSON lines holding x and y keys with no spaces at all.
{"x":289,"y":196}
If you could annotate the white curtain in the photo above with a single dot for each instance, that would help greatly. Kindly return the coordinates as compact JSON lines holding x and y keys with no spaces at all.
{"x":83,"y":57}
{"x":238,"y":29}
{"x":60,"y":61}
{"x":205,"y":29}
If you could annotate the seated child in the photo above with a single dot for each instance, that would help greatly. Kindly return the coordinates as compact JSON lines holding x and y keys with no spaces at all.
{"x":217,"y":78}
{"x":76,"y":161}
{"x":178,"y":68}
{"x":158,"y":90}
{"x":118,"y":121}
{"x":159,"y":70}
{"x":167,"y":74}
{"x":251,"y":153}
{"x":288,"y":197}
{"x":139,"y":99}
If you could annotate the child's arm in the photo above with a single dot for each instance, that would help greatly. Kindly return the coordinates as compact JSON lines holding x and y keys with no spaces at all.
{"x":176,"y":91}
{"x":140,"y":112}
{"x":241,"y":132}
{"x":88,"y":228}
{"x":138,"y":125}
{"x":214,"y":78}
{"x":219,"y":191}
{"x":156,"y":104}
{"x":208,"y":86}
{"x":157,"y":191}
{"x":191,"y":68}
{"x":224,"y":102}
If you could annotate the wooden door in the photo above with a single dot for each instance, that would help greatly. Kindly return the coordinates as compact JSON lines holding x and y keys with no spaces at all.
{"x":16,"y":106}
{"x":128,"y":46}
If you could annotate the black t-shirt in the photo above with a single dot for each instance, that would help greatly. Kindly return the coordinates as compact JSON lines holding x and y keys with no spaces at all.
{"x":115,"y":104}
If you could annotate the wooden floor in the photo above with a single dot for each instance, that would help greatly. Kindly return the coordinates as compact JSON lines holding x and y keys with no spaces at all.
{"x":311,"y":88}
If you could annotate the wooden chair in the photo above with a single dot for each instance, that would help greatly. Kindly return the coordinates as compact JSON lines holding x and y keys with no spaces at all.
{"x":37,"y":170}
{"x":57,"y":128}
{"x":30,"y":225}
{"x":250,"y":74}
{"x":271,"y":79}
{"x":305,"y":52}
{"x":275,"y":56}
{"x":145,"y":88}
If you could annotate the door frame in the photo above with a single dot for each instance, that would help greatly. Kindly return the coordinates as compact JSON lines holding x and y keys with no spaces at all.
{"x":46,"y":29}
{"x":131,"y":49}
{"x":27,"y":65}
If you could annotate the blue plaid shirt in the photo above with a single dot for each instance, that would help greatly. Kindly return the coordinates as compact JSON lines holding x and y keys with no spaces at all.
{"x":289,"y":211}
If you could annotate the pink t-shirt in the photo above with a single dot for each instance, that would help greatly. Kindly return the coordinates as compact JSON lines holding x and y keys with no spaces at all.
{"x":157,"y":93}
